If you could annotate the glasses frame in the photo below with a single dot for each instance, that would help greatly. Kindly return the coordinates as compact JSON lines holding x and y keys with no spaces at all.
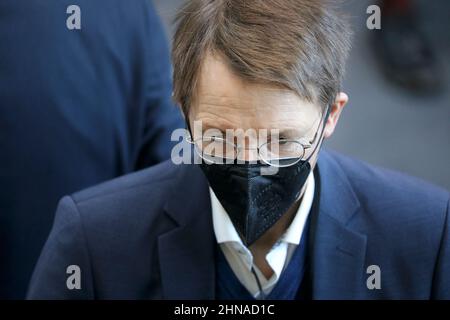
{"x":306,"y":144}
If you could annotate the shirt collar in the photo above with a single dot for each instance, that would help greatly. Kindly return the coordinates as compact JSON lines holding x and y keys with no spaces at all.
{"x":226,"y":232}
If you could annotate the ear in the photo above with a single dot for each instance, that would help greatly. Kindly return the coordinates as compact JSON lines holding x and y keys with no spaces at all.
{"x":335,"y":113}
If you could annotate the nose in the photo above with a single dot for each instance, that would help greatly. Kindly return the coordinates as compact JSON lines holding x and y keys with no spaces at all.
{"x":247,"y":146}
{"x":248,"y":154}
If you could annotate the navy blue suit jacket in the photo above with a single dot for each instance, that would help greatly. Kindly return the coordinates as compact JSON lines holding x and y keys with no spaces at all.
{"x":77,"y":107}
{"x":149,"y":235}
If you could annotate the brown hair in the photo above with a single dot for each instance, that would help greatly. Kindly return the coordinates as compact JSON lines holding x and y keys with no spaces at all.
{"x":301,"y":45}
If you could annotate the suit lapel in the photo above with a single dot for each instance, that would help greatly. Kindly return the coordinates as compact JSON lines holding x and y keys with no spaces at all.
{"x":186,"y":253}
{"x":338,"y":251}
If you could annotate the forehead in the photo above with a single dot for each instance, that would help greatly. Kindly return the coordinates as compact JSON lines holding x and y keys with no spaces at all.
{"x":226,"y":98}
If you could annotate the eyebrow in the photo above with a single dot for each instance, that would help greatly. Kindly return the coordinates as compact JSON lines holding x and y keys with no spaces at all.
{"x":207,"y":127}
{"x":283,"y":133}
{"x":290,"y":133}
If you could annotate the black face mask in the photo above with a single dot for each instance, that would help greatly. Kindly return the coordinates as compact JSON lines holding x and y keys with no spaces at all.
{"x":255,"y":202}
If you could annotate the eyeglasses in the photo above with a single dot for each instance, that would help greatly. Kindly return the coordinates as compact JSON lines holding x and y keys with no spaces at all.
{"x":278,"y":153}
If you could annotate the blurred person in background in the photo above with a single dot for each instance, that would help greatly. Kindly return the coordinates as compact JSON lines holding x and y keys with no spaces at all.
{"x":85,"y":96}
{"x":406,"y":55}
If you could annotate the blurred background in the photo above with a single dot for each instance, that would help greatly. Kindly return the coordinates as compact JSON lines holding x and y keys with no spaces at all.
{"x":384,"y":123}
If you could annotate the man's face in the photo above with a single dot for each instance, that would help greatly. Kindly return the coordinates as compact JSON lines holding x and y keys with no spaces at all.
{"x":225,"y":101}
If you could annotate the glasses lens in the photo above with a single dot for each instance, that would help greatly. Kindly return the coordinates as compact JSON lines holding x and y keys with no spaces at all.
{"x":282,"y":153}
{"x":215,"y":150}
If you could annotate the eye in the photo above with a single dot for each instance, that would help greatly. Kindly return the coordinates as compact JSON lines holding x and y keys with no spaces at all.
{"x":213,"y":137}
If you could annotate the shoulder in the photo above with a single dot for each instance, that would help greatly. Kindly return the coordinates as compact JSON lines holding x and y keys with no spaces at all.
{"x":159,"y":175}
{"x":130,"y":202}
{"x":404,"y":220}
{"x":390,"y":201}
{"x":113,"y":223}
{"x":373,"y":182}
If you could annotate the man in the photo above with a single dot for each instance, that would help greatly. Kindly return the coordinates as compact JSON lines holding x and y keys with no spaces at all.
{"x":269,"y":218}
{"x":85,"y":97}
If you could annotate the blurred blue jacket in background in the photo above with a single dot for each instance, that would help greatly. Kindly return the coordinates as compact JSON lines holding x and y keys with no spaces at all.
{"x":77,"y":107}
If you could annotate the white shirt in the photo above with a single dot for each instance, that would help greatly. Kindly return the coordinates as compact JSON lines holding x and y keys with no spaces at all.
{"x":239,"y":256}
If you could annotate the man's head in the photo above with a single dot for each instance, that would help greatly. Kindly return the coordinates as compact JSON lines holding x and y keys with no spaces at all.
{"x":260,"y":64}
